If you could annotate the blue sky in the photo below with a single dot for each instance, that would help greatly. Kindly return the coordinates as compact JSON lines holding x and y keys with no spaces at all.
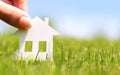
{"x":79,"y":18}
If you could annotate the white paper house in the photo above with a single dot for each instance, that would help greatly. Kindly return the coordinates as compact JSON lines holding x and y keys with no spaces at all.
{"x":39,"y":31}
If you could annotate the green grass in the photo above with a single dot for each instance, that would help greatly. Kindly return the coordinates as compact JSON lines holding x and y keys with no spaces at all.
{"x":71,"y":57}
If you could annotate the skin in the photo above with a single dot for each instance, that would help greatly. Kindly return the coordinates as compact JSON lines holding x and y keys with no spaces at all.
{"x":14,"y":12}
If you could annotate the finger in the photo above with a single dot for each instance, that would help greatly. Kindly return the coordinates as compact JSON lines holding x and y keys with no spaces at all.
{"x":14,"y":16}
{"x":8,"y":2}
{"x":21,"y":4}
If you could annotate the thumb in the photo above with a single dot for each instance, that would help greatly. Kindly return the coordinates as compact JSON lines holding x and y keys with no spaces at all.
{"x":14,"y":16}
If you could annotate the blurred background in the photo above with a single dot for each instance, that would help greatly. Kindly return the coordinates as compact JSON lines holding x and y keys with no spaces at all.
{"x":82,"y":19}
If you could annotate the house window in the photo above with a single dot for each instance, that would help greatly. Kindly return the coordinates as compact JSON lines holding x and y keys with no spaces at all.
{"x":28,"y":46}
{"x":42,"y":46}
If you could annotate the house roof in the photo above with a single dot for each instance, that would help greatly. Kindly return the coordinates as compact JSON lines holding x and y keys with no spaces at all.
{"x":39,"y":29}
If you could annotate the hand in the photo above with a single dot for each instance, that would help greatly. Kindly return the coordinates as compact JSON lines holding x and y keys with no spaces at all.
{"x":14,"y":12}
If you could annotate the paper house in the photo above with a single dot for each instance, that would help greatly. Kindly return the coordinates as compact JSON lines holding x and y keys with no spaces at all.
{"x":39,"y":31}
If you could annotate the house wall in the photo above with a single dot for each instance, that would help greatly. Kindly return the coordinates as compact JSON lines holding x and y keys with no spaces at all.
{"x":35,"y":46}
{"x":50,"y":49}
{"x":22,"y":44}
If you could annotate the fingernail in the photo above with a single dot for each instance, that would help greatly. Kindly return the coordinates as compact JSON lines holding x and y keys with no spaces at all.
{"x":24,"y":23}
